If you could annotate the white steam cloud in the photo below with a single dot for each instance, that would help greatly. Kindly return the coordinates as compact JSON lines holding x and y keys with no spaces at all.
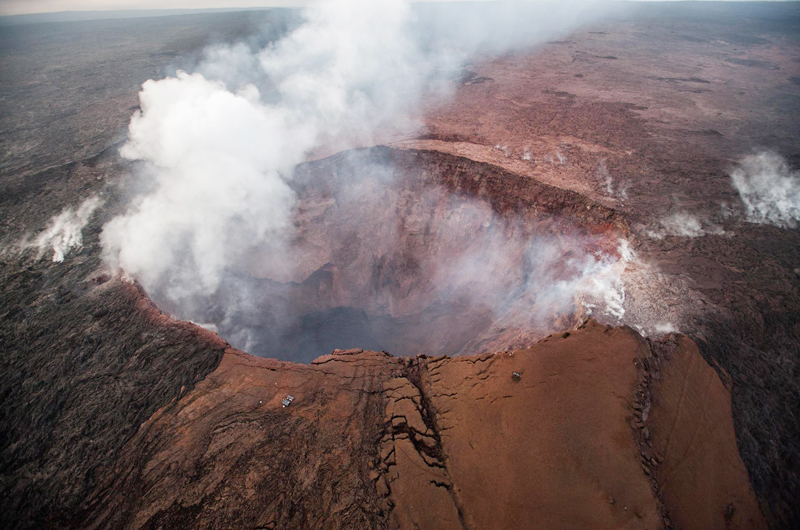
{"x":220,"y":159}
{"x":769,"y":189}
{"x":665,"y":327}
{"x":684,"y":224}
{"x":64,"y":231}
{"x":218,"y":148}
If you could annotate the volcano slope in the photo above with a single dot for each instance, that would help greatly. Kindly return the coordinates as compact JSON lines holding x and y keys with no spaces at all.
{"x":116,"y":414}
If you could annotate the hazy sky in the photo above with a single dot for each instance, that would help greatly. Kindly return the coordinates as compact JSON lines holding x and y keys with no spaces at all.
{"x":18,"y":7}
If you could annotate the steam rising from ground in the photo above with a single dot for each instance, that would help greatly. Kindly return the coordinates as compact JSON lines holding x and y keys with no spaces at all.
{"x":769,"y":189}
{"x":65,"y":231}
{"x":214,"y":235}
{"x":684,"y":224}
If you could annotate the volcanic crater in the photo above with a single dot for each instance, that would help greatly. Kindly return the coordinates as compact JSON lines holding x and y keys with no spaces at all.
{"x":413,"y":251}
{"x":119,"y":413}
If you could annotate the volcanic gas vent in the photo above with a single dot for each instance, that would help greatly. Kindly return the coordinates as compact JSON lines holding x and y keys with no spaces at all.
{"x":417,"y":252}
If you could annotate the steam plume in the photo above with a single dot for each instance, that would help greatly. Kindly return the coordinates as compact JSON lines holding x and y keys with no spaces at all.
{"x":684,"y":224}
{"x":217,"y":148}
{"x":65,"y":230}
{"x":220,"y":159}
{"x":769,"y":189}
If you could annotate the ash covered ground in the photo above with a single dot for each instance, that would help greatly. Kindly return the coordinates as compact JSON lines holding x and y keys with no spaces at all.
{"x":119,"y":412}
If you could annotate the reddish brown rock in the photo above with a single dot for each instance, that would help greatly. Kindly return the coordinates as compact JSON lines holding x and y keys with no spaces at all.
{"x":547,"y":450}
{"x":701,"y":474}
{"x":541,"y":437}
